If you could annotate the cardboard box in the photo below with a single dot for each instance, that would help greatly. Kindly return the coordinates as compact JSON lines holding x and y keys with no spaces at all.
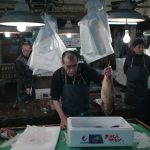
{"x":99,"y":132}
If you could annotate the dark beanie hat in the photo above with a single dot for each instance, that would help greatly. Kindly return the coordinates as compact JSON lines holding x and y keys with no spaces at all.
{"x":138,"y":41}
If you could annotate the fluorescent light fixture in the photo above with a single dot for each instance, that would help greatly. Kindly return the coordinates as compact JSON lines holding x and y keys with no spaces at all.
{"x":21,"y":17}
{"x":146,"y":33}
{"x":125,"y":11}
{"x":121,"y":15}
{"x":121,"y":23}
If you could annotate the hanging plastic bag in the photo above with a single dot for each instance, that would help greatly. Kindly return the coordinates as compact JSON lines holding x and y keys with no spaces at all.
{"x":47,"y":48}
{"x":120,"y":76}
{"x":46,"y":40}
{"x":95,"y":33}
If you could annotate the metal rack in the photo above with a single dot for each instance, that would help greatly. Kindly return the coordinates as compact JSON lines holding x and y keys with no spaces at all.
{"x":8,"y":72}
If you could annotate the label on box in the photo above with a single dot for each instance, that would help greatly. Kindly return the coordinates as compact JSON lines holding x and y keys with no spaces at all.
{"x":92,"y":139}
{"x":42,"y":93}
{"x":98,"y":139}
{"x":95,"y":139}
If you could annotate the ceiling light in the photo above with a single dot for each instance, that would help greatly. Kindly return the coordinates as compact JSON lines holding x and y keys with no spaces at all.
{"x":7,"y":34}
{"x":68,"y":35}
{"x":126,"y":38}
{"x":125,"y":11}
{"x":121,"y":15}
{"x":69,"y":29}
{"x":21,"y":27}
{"x":21,"y":17}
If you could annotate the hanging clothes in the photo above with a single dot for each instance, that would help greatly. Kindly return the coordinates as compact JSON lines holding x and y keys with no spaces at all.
{"x":47,"y":49}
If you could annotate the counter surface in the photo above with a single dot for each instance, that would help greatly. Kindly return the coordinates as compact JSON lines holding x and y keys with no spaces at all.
{"x":61,"y":145}
{"x":38,"y":112}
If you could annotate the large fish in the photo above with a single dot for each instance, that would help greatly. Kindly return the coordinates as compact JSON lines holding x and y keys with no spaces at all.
{"x":107,"y":95}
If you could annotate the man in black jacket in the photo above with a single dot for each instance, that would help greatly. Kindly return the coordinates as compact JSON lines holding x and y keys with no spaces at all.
{"x":24,"y":74}
{"x":70,"y":87}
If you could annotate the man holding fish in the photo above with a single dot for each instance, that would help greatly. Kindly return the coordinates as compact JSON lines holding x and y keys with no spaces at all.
{"x":70,"y":87}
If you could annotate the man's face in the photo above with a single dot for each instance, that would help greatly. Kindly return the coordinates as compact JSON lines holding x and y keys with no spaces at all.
{"x":26,"y":49}
{"x":70,"y":65}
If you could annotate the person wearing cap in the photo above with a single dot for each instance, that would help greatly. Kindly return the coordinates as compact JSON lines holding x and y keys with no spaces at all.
{"x":70,"y":87}
{"x":25,"y":90}
{"x":137,"y":71}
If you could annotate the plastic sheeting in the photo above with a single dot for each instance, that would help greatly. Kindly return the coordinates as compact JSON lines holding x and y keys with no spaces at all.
{"x":147,"y":52}
{"x":141,"y":140}
{"x":95,"y":34}
{"x":120,"y":76}
{"x":37,"y":138}
{"x":47,"y":49}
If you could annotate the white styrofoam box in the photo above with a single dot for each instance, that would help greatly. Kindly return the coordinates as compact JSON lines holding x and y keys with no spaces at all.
{"x":98,"y":131}
{"x":42,"y":93}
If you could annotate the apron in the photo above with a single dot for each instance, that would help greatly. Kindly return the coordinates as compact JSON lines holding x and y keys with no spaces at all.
{"x":75,"y":98}
{"x":137,"y":89}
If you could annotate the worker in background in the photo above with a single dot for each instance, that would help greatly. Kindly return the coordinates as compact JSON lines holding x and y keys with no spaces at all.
{"x":137,"y":70}
{"x":25,"y":90}
{"x":70,"y":87}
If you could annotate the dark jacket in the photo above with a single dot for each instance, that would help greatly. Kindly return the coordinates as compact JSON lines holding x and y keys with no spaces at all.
{"x":137,"y":70}
{"x":138,"y":61}
{"x":58,"y":79}
{"x":24,"y":78}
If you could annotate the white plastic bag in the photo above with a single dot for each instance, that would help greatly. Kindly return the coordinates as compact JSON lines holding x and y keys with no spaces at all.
{"x":120,"y":76}
{"x":37,"y":138}
{"x":95,"y":33}
{"x":47,"y":48}
{"x":141,"y":140}
{"x":147,"y":52}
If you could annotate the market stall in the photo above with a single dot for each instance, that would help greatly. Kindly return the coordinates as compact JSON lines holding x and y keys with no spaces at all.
{"x":138,"y":126}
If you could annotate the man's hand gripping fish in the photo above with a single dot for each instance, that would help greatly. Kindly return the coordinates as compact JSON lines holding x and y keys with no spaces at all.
{"x":107,"y":95}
